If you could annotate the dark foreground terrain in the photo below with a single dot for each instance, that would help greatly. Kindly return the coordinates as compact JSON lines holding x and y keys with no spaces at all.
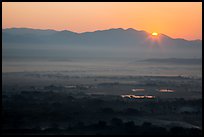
{"x":95,"y":105}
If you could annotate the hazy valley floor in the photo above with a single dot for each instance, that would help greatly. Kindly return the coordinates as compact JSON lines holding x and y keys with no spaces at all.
{"x":42,"y":101}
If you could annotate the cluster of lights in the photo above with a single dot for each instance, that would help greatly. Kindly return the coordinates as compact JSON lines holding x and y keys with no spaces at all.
{"x":138,"y":89}
{"x":134,"y":96}
{"x":166,"y":90}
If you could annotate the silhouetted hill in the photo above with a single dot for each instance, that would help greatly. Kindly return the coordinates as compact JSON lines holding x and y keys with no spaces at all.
{"x":112,"y":36}
{"x":114,"y":41}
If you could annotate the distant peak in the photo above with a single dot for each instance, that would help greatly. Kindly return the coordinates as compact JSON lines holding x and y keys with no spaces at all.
{"x":15,"y":28}
{"x":116,"y":29}
{"x":66,"y":32}
{"x":134,"y":30}
{"x":131,"y":29}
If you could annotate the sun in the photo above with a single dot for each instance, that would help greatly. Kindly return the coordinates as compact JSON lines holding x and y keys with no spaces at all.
{"x":154,"y":34}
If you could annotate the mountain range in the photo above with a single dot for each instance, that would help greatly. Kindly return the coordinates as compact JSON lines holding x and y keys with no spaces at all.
{"x":128,"y":42}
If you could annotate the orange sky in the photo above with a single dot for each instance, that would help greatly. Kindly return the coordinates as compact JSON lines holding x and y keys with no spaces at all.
{"x":177,"y":20}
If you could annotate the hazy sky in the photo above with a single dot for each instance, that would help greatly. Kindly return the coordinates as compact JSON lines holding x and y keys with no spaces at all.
{"x":177,"y":20}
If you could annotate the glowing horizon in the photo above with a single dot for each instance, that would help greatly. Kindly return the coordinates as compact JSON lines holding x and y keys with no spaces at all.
{"x":175,"y":19}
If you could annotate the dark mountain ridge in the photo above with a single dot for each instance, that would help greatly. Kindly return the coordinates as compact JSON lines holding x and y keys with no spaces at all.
{"x":115,"y":41}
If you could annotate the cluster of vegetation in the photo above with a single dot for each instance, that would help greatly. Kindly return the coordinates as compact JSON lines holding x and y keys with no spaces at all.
{"x":116,"y":127}
{"x":61,"y":113}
